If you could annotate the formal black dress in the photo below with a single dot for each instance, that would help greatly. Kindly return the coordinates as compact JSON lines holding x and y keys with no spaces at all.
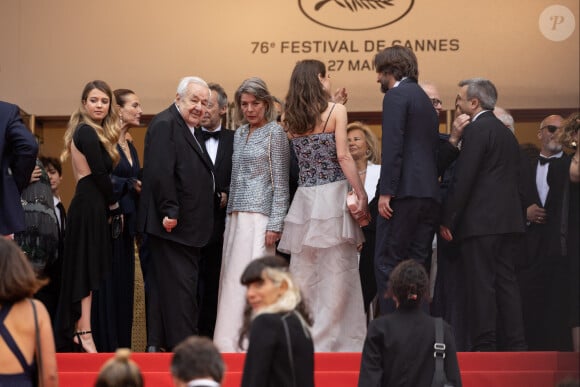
{"x":87,"y":252}
{"x":113,"y":302}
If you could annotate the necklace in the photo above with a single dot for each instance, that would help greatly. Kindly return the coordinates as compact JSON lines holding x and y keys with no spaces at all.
{"x":124,"y":146}
{"x":362,"y":172}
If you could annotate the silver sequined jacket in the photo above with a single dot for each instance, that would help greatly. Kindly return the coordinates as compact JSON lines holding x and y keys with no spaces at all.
{"x":260,"y":165}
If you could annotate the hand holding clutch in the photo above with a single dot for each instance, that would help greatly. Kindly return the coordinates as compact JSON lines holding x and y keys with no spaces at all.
{"x":353,"y":204}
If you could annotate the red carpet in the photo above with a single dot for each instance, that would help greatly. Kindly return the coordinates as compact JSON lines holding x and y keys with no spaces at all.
{"x":501,"y":369}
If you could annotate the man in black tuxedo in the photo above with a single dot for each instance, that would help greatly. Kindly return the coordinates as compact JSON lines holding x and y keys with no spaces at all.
{"x":176,"y":209}
{"x":219,"y":144}
{"x":408,"y":184}
{"x":18,"y":150}
{"x":544,"y":277}
{"x":483,"y":213}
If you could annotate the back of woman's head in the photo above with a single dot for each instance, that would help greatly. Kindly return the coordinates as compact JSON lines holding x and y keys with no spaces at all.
{"x":409,"y":283}
{"x":306,"y":99}
{"x":120,"y":371}
{"x":17,"y":277}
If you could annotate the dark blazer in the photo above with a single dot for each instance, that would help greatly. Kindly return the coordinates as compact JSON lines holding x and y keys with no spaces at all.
{"x":18,"y":151}
{"x":484,"y":197}
{"x":267,"y":362}
{"x":178,"y":182}
{"x":223,"y":175}
{"x":409,"y":143}
{"x":398,"y":351}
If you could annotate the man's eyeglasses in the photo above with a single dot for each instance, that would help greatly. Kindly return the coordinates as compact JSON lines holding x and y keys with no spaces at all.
{"x":436,"y":102}
{"x":551,"y":128}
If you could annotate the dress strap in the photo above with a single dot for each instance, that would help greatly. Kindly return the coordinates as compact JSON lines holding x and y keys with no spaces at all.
{"x":10,"y":340}
{"x":327,"y":118}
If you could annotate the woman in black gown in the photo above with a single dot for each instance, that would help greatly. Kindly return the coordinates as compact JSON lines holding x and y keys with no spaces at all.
{"x":90,"y":140}
{"x":114,"y":299}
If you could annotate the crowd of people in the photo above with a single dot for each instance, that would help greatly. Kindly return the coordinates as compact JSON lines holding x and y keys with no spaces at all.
{"x":493,"y":221}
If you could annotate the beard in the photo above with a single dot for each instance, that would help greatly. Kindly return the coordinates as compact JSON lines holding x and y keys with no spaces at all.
{"x":384,"y":87}
{"x":554,"y":147}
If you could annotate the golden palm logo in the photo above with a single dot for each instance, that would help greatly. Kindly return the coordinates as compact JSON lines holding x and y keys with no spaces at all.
{"x":355,"y":15}
{"x":353,"y":5}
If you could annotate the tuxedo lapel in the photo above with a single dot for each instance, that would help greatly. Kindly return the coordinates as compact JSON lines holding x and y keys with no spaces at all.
{"x":191,"y":139}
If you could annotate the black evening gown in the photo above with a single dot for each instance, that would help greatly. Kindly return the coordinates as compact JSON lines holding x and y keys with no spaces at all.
{"x":113,"y":302}
{"x":87,"y":252}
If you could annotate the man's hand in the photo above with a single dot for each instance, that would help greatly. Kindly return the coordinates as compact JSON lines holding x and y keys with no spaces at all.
{"x":536,"y":214}
{"x":459,"y":123}
{"x":169,"y":224}
{"x":385,"y":209}
{"x":445,"y":233}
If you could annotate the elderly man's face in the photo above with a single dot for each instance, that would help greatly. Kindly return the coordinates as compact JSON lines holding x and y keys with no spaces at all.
{"x":193,"y":104}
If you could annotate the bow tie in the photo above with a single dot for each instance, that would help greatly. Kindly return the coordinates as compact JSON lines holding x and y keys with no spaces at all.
{"x":545,"y":160}
{"x":207,"y":135}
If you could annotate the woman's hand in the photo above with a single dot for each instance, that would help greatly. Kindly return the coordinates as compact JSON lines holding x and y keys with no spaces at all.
{"x":36,"y":174}
{"x":272,"y":237}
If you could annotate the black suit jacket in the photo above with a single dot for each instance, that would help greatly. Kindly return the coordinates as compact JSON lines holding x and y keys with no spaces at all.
{"x":18,"y":151}
{"x":223,"y":175}
{"x":178,"y":182}
{"x":410,"y":140}
{"x":484,"y":196}
{"x":398,"y":351}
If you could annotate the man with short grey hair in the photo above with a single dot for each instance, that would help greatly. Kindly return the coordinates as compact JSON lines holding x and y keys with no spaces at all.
{"x":483,"y":213}
{"x":176,"y":209}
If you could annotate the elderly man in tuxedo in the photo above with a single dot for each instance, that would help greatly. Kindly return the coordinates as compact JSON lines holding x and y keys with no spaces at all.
{"x":176,"y":209}
{"x":18,"y":150}
{"x":483,"y":213}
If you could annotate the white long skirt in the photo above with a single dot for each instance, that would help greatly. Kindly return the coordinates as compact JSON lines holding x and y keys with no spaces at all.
{"x":321,"y":236}
{"x":244,"y":241}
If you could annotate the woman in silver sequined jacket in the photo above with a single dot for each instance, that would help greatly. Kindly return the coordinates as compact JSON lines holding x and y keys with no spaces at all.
{"x":257,"y":203}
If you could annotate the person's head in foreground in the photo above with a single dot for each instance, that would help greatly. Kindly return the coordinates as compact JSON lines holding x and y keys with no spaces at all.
{"x":120,"y":371}
{"x":197,"y":359}
{"x":270,"y":288}
{"x":409,"y":284}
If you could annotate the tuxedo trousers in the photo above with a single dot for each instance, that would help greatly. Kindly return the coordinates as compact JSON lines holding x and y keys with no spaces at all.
{"x":175,"y":268}
{"x":493,"y":295}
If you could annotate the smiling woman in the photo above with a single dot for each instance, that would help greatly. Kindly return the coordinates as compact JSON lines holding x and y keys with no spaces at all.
{"x":276,"y":322}
{"x":90,"y":140}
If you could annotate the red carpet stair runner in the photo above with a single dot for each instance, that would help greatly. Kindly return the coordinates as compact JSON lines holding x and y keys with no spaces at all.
{"x":483,"y":369}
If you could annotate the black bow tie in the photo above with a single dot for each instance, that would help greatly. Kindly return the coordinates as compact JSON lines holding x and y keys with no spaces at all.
{"x":545,"y":160}
{"x":207,"y":135}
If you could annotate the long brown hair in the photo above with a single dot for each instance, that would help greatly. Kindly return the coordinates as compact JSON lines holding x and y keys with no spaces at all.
{"x":18,"y":279}
{"x":306,"y":99}
{"x":108,"y":130}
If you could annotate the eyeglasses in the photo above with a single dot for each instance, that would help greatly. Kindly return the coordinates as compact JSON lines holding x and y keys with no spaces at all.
{"x":436,"y":102}
{"x":551,"y":128}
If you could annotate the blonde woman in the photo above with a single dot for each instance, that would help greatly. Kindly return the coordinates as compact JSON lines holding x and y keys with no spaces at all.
{"x":90,"y":142}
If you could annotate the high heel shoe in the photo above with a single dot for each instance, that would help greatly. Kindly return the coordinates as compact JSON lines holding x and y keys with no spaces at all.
{"x":85,"y":344}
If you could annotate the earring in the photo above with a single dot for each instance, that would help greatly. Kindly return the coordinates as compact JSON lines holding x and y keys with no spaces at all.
{"x":368,"y":152}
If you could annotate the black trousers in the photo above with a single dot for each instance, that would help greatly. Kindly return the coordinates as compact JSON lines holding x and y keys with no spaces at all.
{"x":176,"y":268}
{"x":493,"y":295}
{"x":208,"y":286}
{"x":407,"y":235}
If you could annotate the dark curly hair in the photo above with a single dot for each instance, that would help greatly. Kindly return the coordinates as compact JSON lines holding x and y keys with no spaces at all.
{"x":399,"y":61}
{"x":409,"y":283}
